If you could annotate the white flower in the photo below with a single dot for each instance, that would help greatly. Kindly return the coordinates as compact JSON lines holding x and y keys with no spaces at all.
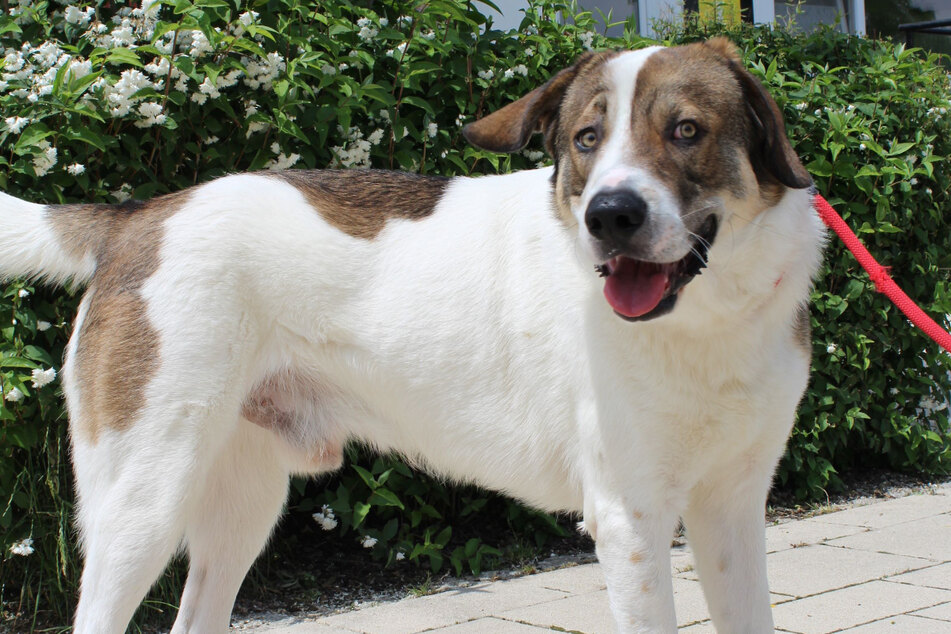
{"x":43,"y":377}
{"x":375,"y":137}
{"x":400,"y":555}
{"x":16,"y":124}
{"x":151,"y":113}
{"x":385,"y":114}
{"x":78,"y":69}
{"x":831,"y":348}
{"x":368,"y":542}
{"x":914,"y":181}
{"x":282,"y":162}
{"x":23,"y":293}
{"x":818,"y":112}
{"x":124,"y":193}
{"x":248,"y":17}
{"x":587,"y":39}
{"x":384,"y":22}
{"x":76,"y":169}
{"x":23,"y":548}
{"x":367,"y":33}
{"x":327,"y":69}
{"x":432,"y":129}
{"x":861,"y":146}
{"x":530,"y":52}
{"x":45,"y":161}
{"x":43,"y":326}
{"x":255,"y":126}
{"x":487,"y":74}
{"x":326,"y":518}
{"x":521,"y":70}
{"x":14,"y":395}
{"x":928,"y":190}
{"x":157,"y":67}
{"x":509,"y":74}
{"x":398,"y":50}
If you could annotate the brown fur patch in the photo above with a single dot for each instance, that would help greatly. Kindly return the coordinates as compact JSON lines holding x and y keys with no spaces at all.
{"x":636,"y":557}
{"x":359,"y":202}
{"x":802,"y":330}
{"x":584,"y":106}
{"x":117,"y":347}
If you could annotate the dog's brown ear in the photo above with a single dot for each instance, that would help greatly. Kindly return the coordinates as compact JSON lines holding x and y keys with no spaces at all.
{"x":510,"y":128}
{"x":771,"y":148}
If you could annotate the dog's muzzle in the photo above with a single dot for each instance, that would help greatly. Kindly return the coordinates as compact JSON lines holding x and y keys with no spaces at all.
{"x":638,"y":290}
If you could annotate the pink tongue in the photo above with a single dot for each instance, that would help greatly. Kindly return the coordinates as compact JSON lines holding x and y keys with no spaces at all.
{"x":635,"y":288}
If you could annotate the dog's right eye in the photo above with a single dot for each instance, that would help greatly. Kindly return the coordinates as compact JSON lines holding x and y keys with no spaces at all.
{"x":587,"y":139}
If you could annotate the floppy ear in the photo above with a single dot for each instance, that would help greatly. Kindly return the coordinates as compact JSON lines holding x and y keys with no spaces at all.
{"x":771,"y":148}
{"x":509,"y":129}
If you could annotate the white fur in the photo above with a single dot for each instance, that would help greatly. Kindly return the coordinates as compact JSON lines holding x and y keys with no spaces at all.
{"x":477,"y":343}
{"x":29,"y":247}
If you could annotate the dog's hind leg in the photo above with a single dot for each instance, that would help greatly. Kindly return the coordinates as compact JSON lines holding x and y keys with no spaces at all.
{"x":240,"y":502}
{"x":136,"y":489}
{"x":149,"y":416}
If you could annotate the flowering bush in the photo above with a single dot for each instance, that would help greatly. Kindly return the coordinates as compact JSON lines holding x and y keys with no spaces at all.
{"x":103,"y":103}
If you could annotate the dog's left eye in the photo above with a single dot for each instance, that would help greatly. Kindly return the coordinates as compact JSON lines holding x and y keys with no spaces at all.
{"x":586,"y":139}
{"x":686,"y":130}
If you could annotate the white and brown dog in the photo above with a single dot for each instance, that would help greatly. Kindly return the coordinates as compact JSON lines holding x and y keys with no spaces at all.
{"x":247,"y":328}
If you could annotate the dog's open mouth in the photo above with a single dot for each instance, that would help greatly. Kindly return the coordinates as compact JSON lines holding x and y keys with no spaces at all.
{"x":639,"y":290}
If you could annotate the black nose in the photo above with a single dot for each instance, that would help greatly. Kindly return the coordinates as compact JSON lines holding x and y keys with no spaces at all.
{"x":615,"y":216}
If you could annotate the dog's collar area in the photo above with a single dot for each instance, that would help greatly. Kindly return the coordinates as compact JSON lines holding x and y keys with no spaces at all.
{"x":640,"y":291}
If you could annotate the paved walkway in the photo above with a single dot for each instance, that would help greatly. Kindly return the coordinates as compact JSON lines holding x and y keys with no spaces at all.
{"x":884,"y":567}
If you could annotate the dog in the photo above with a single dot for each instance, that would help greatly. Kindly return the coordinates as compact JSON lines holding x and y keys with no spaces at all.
{"x":623,"y":335}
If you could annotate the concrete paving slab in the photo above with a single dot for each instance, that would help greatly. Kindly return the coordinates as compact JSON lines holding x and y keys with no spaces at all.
{"x":303,"y":627}
{"x":806,"y":532}
{"x":891,"y":512}
{"x":809,"y":570}
{"x":902,"y":624}
{"x":445,"y":608}
{"x":926,"y":538}
{"x":586,"y":613}
{"x":934,"y":577}
{"x":853,"y":606}
{"x":940,"y":612}
{"x":885,"y":568}
{"x":573,"y":579}
{"x":492,"y":625}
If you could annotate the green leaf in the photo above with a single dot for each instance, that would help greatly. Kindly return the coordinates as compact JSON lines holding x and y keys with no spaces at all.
{"x":360,"y":511}
{"x":385,"y":497}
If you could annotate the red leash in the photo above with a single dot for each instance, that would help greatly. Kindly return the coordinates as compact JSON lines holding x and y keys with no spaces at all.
{"x":883,"y":281}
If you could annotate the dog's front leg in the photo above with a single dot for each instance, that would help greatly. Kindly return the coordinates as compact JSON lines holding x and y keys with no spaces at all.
{"x":726,"y":531}
{"x":633,"y":546}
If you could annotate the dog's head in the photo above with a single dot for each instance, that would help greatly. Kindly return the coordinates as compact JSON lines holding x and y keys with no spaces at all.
{"x":653,"y":150}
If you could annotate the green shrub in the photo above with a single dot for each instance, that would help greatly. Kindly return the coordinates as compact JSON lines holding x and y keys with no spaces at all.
{"x":157,"y":100}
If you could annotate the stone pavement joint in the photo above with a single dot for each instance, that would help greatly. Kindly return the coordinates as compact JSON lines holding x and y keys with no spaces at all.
{"x":881,"y":567}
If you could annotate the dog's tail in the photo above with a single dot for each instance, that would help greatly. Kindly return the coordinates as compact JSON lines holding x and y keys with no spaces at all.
{"x":55,"y":243}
